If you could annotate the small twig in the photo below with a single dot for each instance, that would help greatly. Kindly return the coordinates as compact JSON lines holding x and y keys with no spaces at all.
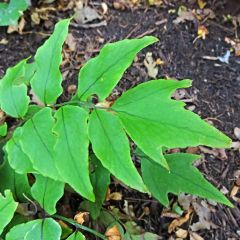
{"x":75,"y":224}
{"x":146,"y":33}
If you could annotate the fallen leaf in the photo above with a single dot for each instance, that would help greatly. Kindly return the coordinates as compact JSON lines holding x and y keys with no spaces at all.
{"x":150,"y":64}
{"x":203,"y":212}
{"x":86,"y":15}
{"x":202,"y":32}
{"x":220,"y":153}
{"x":181,"y":233}
{"x":72,"y":89}
{"x":234,"y":192}
{"x":71,"y":42}
{"x":117,"y":196}
{"x":4,"y":41}
{"x":237,"y":132}
{"x":235,"y":45}
{"x":81,"y":217}
{"x":113,"y":233}
{"x":195,"y":236}
{"x":179,"y":221}
{"x":183,"y":16}
{"x":201,"y":4}
{"x":104,"y":8}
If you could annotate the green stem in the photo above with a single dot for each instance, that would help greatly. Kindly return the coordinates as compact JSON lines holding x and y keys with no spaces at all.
{"x":72,"y":222}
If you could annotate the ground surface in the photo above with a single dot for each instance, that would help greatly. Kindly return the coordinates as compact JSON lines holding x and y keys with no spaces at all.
{"x":215,"y":93}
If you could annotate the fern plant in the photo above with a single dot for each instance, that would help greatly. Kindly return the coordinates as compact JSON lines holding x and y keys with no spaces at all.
{"x":52,"y":142}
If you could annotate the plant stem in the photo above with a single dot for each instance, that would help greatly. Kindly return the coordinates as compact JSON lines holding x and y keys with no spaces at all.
{"x":72,"y":222}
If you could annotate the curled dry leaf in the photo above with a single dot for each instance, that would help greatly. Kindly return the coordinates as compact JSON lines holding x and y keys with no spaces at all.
{"x":72,"y":89}
{"x":81,"y":217}
{"x":179,"y":221}
{"x":234,"y":192}
{"x":117,"y":196}
{"x":71,"y":42}
{"x":202,"y":32}
{"x":237,"y":132}
{"x":151,"y":65}
{"x":113,"y":233}
{"x":220,"y":153}
{"x":203,"y":212}
{"x":104,"y":8}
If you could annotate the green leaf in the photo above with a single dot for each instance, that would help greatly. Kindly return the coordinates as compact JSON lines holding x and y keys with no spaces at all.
{"x":37,"y":142}
{"x":100,"y":178}
{"x":47,"y":80}
{"x":76,"y":236}
{"x":45,"y":229}
{"x":13,"y":96}
{"x":19,"y":231}
{"x":101,"y":74}
{"x":71,"y":149}
{"x":7,"y":209}
{"x":47,"y":192}
{"x":40,"y":229}
{"x":10,"y":13}
{"x":153,"y":120}
{"x":110,"y":144}
{"x":17,"y":159}
{"x":17,"y":183}
{"x":182,"y":177}
{"x":3,"y":130}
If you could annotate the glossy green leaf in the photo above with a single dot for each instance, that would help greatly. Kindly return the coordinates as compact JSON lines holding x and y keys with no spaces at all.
{"x":13,"y":96}
{"x":17,"y":159}
{"x":181,"y":178}
{"x":3,"y":130}
{"x":37,"y":142}
{"x":19,"y":231}
{"x":76,"y":236}
{"x":153,"y":120}
{"x":45,"y":229}
{"x":101,"y":74}
{"x":71,"y":149}
{"x":47,"y":80}
{"x":111,"y":146}
{"x":10,"y":13}
{"x":7,"y":209}
{"x":40,"y":229}
{"x":17,"y":183}
{"x":100,"y":178}
{"x":47,"y":192}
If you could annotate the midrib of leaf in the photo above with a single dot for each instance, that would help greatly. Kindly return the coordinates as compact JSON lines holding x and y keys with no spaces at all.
{"x":42,"y":229}
{"x":44,"y":193}
{"x":105,"y":71}
{"x":51,"y":62}
{"x":39,"y":136}
{"x":166,"y":123}
{"x":68,"y":146}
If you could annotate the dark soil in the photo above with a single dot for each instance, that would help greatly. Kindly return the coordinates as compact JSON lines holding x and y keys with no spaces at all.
{"x":215,"y":84}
